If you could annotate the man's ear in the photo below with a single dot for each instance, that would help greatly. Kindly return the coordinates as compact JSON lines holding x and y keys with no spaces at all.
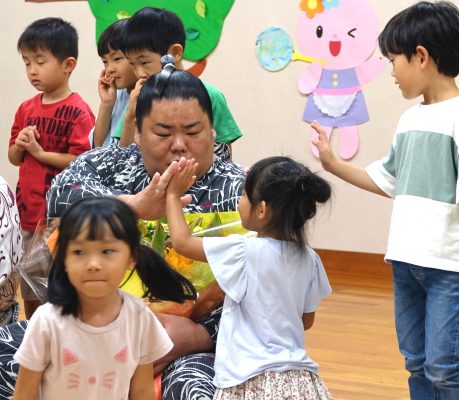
{"x":69,"y":64}
{"x":214,"y":134}
{"x":176,"y":50}
{"x":423,"y":55}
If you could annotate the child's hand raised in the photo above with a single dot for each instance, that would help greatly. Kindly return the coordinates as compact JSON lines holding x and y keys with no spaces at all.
{"x":133,"y":96}
{"x":106,"y":88}
{"x":326,"y":155}
{"x":183,"y":178}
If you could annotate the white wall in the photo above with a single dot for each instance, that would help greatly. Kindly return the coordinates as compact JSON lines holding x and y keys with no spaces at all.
{"x":267,"y":106}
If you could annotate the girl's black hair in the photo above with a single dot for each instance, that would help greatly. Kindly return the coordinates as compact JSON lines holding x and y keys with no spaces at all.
{"x":433,"y":25}
{"x":175,"y":84}
{"x":98,"y":213}
{"x":292,"y":192}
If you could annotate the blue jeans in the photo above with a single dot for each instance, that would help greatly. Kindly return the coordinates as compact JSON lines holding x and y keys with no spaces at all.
{"x":427,"y":323}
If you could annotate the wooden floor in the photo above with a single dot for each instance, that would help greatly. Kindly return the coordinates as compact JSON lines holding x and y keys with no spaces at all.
{"x":353,"y":340}
{"x":353,"y":337}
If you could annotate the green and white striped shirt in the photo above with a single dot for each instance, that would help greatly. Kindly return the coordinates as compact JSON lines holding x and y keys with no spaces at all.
{"x":421,"y":174}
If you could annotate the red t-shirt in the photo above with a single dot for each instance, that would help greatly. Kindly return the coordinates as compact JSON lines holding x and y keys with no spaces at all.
{"x":64,"y":128}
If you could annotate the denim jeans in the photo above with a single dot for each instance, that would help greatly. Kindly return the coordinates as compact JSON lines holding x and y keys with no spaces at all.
{"x":427,"y":323}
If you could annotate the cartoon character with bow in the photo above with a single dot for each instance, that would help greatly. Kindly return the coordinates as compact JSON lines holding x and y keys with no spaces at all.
{"x":342,"y":35}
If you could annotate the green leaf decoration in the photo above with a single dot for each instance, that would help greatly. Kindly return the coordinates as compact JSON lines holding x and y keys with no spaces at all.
{"x":159,"y":239}
{"x":192,"y":34}
{"x":200,"y":8}
{"x":122,"y":14}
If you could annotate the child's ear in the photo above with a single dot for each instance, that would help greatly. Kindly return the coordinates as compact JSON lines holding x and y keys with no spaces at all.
{"x":69,"y":64}
{"x":423,"y":55}
{"x":176,"y":50}
{"x":132,"y":263}
{"x":263,"y":210}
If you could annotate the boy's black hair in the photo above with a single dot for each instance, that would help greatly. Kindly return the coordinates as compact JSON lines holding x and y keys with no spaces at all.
{"x":153,"y":29}
{"x":175,"y":84}
{"x":57,"y":36}
{"x":434,"y":26}
{"x":96,"y":214}
{"x":291,"y":191}
{"x":111,"y":38}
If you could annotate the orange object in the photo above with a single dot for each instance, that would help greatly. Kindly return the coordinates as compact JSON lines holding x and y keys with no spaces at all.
{"x":157,"y":385}
{"x":52,"y":240}
{"x":198,"y":68}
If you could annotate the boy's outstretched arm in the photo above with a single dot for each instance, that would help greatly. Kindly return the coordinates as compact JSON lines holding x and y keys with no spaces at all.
{"x":350,"y":173}
{"x":181,"y":238}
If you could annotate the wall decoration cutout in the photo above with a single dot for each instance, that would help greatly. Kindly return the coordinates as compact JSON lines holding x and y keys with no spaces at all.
{"x":203,"y":19}
{"x":274,"y":50}
{"x":339,"y":38}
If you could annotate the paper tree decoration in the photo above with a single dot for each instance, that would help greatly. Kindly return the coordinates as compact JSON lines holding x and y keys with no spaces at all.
{"x":203,"y":19}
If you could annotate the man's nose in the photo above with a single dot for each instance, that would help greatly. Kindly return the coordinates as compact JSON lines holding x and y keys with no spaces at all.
{"x":178,"y":144}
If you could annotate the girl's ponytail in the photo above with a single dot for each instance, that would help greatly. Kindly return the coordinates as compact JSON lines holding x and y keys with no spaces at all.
{"x":160,"y":280}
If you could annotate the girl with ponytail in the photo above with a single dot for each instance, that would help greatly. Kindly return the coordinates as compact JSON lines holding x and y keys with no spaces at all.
{"x":91,"y":340}
{"x":273,"y":283}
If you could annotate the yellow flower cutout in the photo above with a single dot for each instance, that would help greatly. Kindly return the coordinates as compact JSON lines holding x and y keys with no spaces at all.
{"x":312,"y":7}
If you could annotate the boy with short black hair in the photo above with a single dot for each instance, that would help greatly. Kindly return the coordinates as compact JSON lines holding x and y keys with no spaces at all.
{"x":51,"y":128}
{"x":116,"y":81}
{"x":150,"y":34}
{"x":421,"y":174}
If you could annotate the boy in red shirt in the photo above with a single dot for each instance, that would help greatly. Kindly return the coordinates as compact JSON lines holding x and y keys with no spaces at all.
{"x":51,"y":128}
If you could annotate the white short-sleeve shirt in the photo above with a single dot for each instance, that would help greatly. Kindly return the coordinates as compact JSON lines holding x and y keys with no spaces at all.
{"x":81,"y":361}
{"x":269,"y":284}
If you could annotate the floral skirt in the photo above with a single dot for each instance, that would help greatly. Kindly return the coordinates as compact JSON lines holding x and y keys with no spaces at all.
{"x":270,"y":385}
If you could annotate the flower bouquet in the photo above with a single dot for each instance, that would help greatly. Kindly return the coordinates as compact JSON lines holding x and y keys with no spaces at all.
{"x":155,"y":234}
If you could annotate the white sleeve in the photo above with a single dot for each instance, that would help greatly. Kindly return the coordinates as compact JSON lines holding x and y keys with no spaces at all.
{"x":34,"y":351}
{"x":155,"y":342}
{"x":227,"y":259}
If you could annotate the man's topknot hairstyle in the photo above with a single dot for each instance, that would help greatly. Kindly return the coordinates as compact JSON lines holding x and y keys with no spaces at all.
{"x":55,"y":35}
{"x":434,"y":26}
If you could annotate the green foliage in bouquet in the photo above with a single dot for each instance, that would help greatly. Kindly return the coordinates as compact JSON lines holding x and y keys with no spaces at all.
{"x":155,"y":234}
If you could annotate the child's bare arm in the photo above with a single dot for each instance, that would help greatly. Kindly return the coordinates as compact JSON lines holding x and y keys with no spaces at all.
{"x":127,"y":134}
{"x":27,"y":384}
{"x":348,"y":172}
{"x":308,"y":320}
{"x":107,"y":94}
{"x":141,"y":386}
{"x":181,"y":239}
